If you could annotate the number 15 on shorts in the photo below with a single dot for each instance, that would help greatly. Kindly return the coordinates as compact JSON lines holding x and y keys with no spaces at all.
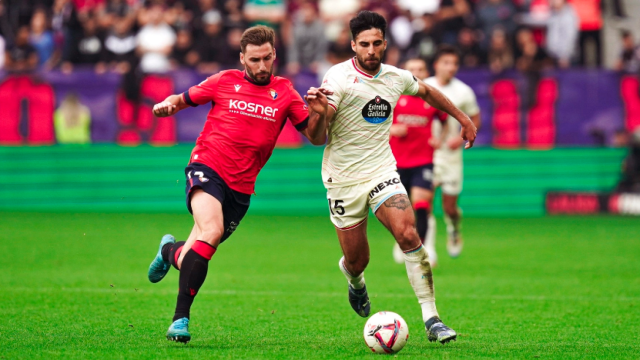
{"x":337,"y":206}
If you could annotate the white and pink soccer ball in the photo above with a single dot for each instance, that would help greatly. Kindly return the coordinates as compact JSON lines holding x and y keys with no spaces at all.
{"x":386,"y":332}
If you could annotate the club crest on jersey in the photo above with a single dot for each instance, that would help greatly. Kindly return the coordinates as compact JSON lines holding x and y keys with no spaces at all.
{"x":377,"y":110}
{"x":273,"y":94}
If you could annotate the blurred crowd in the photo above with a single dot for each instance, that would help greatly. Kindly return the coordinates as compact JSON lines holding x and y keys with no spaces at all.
{"x":157,"y":36}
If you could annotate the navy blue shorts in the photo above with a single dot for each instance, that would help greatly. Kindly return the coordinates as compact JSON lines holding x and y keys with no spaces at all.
{"x":234,"y":204}
{"x":420,"y":176}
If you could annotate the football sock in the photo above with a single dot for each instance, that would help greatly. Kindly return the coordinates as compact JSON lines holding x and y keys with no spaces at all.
{"x":421,"y":279}
{"x":172,"y":252}
{"x":356,"y":281}
{"x":194,"y":270}
{"x":453,"y":224}
{"x":422,"y":219}
{"x":430,"y":241}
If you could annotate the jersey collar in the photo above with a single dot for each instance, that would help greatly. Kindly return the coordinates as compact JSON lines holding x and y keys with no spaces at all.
{"x":355,"y":66}
{"x":249,"y":79}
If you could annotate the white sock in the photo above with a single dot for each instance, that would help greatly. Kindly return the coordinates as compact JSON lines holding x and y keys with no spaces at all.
{"x":430,"y":241}
{"x":356,"y":281}
{"x":421,"y":279}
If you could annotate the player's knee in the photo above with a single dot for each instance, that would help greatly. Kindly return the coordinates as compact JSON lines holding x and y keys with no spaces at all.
{"x":211,"y":236}
{"x":407,"y":237}
{"x":451,"y":210}
{"x":357,"y":265}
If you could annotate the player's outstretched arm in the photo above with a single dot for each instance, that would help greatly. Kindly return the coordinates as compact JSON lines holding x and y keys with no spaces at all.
{"x":170,"y":106}
{"x":436,"y":99}
{"x":319,"y":111}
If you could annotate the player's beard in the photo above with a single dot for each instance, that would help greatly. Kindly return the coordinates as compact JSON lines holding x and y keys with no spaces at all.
{"x":255,"y":79}
{"x":371,"y":65}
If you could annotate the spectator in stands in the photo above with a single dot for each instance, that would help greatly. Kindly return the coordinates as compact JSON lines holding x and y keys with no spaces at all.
{"x":21,"y":57}
{"x":492,"y":14}
{"x":451,"y":18}
{"x":230,"y":58}
{"x":155,"y":42}
{"x":629,"y":59}
{"x":65,"y":25}
{"x":120,"y":46}
{"x":562,"y":32}
{"x":41,"y":39}
{"x":529,"y":55}
{"x":184,"y":53}
{"x":336,"y":14}
{"x":112,"y":11}
{"x":471,"y":55}
{"x":340,"y":49}
{"x":211,"y":43}
{"x":590,"y":15}
{"x":233,"y":17}
{"x":424,"y":41}
{"x":267,"y":12}
{"x":500,"y":55}
{"x":85,"y":50}
{"x":309,"y":46}
{"x":204,"y":7}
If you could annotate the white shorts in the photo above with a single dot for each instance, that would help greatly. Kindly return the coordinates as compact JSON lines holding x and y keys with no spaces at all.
{"x":349,"y":205}
{"x":448,"y":175}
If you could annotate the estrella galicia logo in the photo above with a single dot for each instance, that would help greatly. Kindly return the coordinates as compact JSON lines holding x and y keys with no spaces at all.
{"x":377,"y":110}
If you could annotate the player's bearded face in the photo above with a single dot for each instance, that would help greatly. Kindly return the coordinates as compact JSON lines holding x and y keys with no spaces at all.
{"x":369,"y":46}
{"x":258,"y":62}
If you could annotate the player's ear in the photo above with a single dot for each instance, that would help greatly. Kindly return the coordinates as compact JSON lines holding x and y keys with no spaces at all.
{"x":353,"y":45}
{"x":385,"y":45}
{"x":274,"y":53}
{"x":242,"y":58}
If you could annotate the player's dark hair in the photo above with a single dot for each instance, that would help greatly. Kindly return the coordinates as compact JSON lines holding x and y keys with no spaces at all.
{"x":446,"y":49}
{"x":257,"y":35}
{"x":366,"y":20}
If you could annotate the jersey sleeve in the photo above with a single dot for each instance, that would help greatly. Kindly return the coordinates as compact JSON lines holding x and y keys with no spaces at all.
{"x":410,"y":84}
{"x":202,"y":93}
{"x":335,"y":80}
{"x":298,"y":112}
{"x":470,"y":106}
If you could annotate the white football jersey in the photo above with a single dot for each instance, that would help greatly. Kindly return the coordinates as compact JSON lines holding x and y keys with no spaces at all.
{"x":463,"y":97}
{"x":358,"y":148}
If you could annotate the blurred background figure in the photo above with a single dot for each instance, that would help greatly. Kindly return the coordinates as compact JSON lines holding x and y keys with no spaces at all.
{"x":120,"y":46}
{"x":500,"y":53}
{"x":562,"y":32}
{"x":425,"y":40}
{"x":453,"y":16}
{"x":629,"y":59}
{"x":492,"y":14}
{"x":41,"y":38}
{"x":72,"y":121}
{"x":184,"y":53}
{"x":86,"y":49}
{"x":340,"y":49}
{"x":471,"y":55}
{"x":21,"y":57}
{"x":154,"y":42}
{"x":211,"y":43}
{"x":590,"y":39}
{"x":308,"y":47}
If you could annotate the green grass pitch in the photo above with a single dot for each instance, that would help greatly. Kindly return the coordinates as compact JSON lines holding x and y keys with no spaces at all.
{"x":74,"y":286}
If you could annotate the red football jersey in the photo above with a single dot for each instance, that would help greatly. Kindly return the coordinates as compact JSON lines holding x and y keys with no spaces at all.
{"x":243,"y":124}
{"x":413,"y":149}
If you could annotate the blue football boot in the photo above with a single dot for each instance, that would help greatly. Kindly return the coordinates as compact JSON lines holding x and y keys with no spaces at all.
{"x":159,"y":268}
{"x":359,"y":300}
{"x":438,"y":331}
{"x":179,"y":331}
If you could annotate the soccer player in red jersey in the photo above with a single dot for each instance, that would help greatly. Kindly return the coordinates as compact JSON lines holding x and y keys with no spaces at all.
{"x":248,"y":110}
{"x":413,"y":147}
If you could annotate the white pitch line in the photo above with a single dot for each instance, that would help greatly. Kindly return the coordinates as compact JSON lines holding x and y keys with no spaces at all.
{"x":119,"y":290}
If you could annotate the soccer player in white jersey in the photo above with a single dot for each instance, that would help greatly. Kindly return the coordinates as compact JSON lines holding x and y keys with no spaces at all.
{"x":359,"y":170}
{"x":448,"y":157}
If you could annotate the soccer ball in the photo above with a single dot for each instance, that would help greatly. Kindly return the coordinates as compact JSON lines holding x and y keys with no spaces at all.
{"x":386,"y":333}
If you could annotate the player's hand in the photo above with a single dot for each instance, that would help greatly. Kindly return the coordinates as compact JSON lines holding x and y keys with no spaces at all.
{"x":434,"y":142}
{"x":164,"y":109}
{"x":399,"y":130}
{"x":317,"y":99}
{"x":468,"y":132}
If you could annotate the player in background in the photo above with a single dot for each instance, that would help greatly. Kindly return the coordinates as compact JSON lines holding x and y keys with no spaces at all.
{"x":248,"y":110}
{"x":448,"y":157}
{"x":359,"y":170}
{"x":413,"y":144}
